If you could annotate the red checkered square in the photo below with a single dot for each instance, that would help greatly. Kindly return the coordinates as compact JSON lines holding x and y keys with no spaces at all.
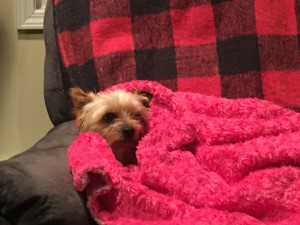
{"x":193,"y":26}
{"x":208,"y":85}
{"x":282,"y":87}
{"x":111,"y":35}
{"x":198,"y":60}
{"x":279,"y":53}
{"x":234,"y":18}
{"x":115,"y":68}
{"x":100,"y":9}
{"x":71,"y":51}
{"x":152,"y":31}
{"x":55,"y":2}
{"x":244,"y":85}
{"x":275,"y":17}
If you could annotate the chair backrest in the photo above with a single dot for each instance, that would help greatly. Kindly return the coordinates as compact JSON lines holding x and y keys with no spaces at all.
{"x":233,"y":49}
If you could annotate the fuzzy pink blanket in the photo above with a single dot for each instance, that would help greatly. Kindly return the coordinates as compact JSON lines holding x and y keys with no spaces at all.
{"x":205,"y":160}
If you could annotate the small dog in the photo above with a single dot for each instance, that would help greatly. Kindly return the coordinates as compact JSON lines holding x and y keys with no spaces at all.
{"x":120,"y":117}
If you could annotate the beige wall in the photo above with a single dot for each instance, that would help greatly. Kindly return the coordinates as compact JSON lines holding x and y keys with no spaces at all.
{"x":23,"y":117}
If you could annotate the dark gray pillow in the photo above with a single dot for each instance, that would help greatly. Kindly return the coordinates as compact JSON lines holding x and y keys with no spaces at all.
{"x":3,"y":221}
{"x":36,"y":186}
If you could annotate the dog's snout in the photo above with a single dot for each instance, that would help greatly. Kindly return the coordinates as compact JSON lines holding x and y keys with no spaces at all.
{"x":128,"y":132}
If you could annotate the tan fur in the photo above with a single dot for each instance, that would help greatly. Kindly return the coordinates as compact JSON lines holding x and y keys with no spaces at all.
{"x":79,"y":99}
{"x":129,"y":110}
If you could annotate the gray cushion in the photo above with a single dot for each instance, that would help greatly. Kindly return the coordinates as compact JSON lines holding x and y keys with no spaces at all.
{"x":36,"y":186}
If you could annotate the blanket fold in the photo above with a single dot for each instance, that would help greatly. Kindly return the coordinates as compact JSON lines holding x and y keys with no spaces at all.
{"x":205,"y":160}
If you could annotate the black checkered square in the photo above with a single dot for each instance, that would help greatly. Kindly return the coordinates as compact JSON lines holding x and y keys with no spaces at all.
{"x":143,"y":7}
{"x":182,"y":4}
{"x":79,"y":17}
{"x":238,"y":55}
{"x":156,"y":64}
{"x":219,"y":1}
{"x":83,"y":76}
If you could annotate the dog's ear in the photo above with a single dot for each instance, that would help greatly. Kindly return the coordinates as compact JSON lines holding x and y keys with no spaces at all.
{"x":79,"y":99}
{"x":146,"y":97}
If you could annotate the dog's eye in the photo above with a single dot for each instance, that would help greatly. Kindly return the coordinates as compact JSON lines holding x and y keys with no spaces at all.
{"x":145,"y":101}
{"x":109,"y":117}
{"x":136,"y":115}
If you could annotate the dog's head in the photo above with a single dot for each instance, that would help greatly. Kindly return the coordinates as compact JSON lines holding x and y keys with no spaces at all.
{"x":120,"y":117}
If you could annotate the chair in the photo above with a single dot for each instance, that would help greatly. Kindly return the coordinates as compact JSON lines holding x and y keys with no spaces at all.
{"x":233,"y":49}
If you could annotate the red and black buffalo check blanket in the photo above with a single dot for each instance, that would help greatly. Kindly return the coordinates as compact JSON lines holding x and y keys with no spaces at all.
{"x":228,"y":48}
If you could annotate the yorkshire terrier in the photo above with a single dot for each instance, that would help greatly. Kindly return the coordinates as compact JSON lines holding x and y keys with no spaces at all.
{"x":120,"y":117}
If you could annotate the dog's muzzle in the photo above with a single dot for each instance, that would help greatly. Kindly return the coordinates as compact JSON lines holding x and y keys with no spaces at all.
{"x":128,"y":132}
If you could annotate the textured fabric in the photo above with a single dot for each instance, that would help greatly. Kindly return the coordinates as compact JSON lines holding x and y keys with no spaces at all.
{"x":57,"y":103}
{"x":3,"y":221}
{"x":204,"y":160}
{"x":36,"y":186}
{"x":232,"y":48}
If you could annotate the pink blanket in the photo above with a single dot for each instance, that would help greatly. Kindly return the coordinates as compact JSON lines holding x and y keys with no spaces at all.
{"x":205,"y":160}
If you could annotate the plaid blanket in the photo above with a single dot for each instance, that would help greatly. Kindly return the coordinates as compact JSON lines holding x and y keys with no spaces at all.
{"x":229,"y":48}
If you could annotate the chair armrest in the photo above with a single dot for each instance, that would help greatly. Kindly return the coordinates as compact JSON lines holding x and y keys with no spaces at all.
{"x":36,"y":186}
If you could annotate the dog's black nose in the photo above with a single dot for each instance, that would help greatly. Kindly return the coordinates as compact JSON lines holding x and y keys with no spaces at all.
{"x":128,"y":132}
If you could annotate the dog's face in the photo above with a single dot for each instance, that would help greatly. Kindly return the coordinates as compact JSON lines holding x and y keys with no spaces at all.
{"x":120,"y":117}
